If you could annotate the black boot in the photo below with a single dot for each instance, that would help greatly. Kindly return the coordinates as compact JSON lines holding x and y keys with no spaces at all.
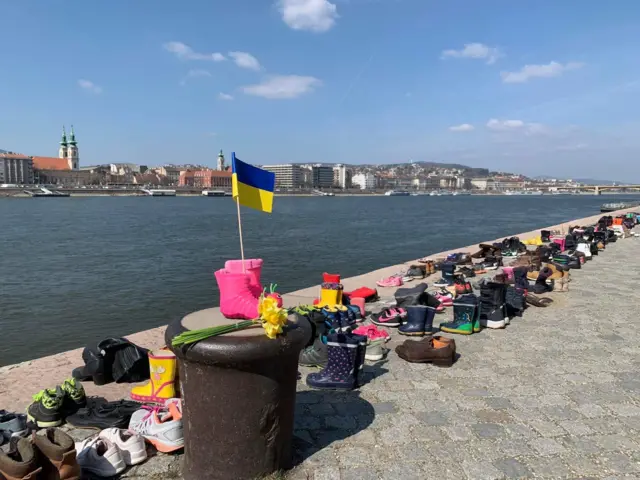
{"x":416,"y":320}
{"x":515,"y":295}
{"x":541,"y":285}
{"x":447,"y":269}
{"x":360,"y":358}
{"x":340,"y":372}
{"x":492,"y":305}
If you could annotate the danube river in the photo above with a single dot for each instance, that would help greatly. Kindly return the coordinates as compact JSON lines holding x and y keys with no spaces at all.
{"x":76,"y":270}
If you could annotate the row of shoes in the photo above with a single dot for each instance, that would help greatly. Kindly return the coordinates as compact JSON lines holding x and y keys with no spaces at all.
{"x":112,"y":450}
{"x":337,"y":319}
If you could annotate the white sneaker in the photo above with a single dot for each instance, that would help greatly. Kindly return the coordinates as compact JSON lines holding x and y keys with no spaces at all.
{"x":131,"y":445}
{"x":100,"y":457}
{"x":162,"y":427}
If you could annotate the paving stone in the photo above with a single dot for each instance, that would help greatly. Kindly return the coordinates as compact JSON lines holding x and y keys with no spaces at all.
{"x":488,"y":430}
{"x":591,"y":410}
{"x":498,"y":403}
{"x":359,"y":473}
{"x":481,"y":471}
{"x":385,"y":407}
{"x":546,"y":446}
{"x":584,"y":445}
{"x":547,"y":467}
{"x":624,"y":409}
{"x":433,"y":418}
{"x":575,"y":427}
{"x":327,"y":473}
{"x":493,"y":416}
{"x":458,"y":432}
{"x":512,"y":468}
{"x":614,"y":442}
{"x":546,"y":429}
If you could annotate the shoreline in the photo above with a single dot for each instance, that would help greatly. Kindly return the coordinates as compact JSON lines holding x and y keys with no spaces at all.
{"x":21,"y":380}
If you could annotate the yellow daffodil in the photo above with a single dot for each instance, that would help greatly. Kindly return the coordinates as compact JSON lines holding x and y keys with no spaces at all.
{"x":267,"y":306}
{"x":271,"y":330}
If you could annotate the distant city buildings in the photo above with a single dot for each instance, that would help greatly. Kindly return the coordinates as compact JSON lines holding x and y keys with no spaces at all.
{"x":288,"y":175}
{"x":16,"y":168}
{"x":365,"y":181}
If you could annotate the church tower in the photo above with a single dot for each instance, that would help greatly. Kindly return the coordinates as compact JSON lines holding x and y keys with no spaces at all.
{"x":220,"y":161}
{"x":62,"y":153}
{"x":72,"y":151}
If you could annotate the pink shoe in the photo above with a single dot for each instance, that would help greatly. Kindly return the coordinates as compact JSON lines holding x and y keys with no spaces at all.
{"x":236,"y":298}
{"x":445,"y":300}
{"x":508,"y":271}
{"x":253,"y":267}
{"x":390,"y":317}
{"x":372,"y":332}
{"x":390,"y":282}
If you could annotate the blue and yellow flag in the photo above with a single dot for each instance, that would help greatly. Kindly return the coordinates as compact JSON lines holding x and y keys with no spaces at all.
{"x":251,"y":186}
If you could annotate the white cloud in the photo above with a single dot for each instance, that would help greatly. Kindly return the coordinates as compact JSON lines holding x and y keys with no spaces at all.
{"x":312,"y":15}
{"x":225,"y":96}
{"x":475,"y":50}
{"x":527,"y":128}
{"x":245,"y":60}
{"x":465,"y":127}
{"x":504,"y":125}
{"x":185,"y":52}
{"x":193,"y":74}
{"x":89,"y":86}
{"x":283,"y":87}
{"x":552,"y":69}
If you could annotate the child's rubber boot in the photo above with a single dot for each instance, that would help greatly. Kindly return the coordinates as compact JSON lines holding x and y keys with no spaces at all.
{"x":253,"y":267}
{"x":162,"y":382}
{"x":237,"y":301}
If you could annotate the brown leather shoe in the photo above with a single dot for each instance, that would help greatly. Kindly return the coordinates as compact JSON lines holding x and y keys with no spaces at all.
{"x":439,"y":351}
{"x":20,"y":464}
{"x":57,"y":455}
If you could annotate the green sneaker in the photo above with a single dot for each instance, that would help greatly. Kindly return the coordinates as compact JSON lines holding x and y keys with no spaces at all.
{"x":46,"y":409}
{"x":74,"y":396}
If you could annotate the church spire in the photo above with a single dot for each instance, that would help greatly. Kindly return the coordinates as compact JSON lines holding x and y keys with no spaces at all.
{"x":63,"y":142}
{"x":72,"y":138}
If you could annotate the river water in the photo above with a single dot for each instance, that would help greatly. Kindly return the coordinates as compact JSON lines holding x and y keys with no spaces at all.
{"x":76,"y":270}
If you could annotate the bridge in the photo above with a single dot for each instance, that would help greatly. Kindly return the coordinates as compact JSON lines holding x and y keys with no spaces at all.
{"x":597,"y":189}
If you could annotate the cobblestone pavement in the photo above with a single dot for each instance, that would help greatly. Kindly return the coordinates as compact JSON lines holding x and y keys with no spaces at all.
{"x":554,"y":395}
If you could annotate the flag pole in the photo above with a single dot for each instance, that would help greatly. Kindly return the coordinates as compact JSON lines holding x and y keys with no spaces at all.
{"x":237,"y":199}
{"x":240,"y":231}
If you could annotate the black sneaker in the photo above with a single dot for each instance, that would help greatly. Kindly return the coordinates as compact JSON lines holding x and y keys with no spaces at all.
{"x":104,"y":415}
{"x":74,"y":396}
{"x":46,"y":409}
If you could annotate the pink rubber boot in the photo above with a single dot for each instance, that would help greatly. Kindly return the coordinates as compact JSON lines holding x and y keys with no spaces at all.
{"x":253,"y":266}
{"x":236,"y":299}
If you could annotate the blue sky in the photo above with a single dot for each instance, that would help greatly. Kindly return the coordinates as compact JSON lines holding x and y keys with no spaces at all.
{"x":539,"y":87}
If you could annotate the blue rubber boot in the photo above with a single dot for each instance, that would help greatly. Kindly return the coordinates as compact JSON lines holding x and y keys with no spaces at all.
{"x":341,"y":370}
{"x":416,"y":320}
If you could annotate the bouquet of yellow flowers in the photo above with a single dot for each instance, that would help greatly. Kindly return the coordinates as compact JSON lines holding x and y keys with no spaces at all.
{"x":271,"y":317}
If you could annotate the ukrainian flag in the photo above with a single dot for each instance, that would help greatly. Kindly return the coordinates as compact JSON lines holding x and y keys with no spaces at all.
{"x":251,"y":186}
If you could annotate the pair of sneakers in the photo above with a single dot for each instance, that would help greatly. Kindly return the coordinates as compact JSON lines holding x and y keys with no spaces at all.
{"x":160,"y":425}
{"x":110,"y":452}
{"x":52,"y":405}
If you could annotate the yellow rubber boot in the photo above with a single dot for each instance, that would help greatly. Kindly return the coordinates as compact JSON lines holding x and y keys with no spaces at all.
{"x":330,"y":296}
{"x":162,"y":383}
